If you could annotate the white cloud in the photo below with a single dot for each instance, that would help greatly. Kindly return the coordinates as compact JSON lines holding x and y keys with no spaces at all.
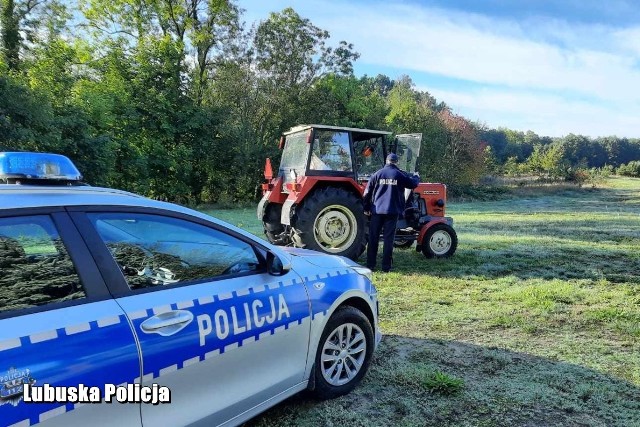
{"x":549,"y":115}
{"x":629,"y":38}
{"x":487,"y":51}
{"x":550,"y":76}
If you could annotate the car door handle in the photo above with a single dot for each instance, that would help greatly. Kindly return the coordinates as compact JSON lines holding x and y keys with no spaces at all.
{"x":168,"y":323}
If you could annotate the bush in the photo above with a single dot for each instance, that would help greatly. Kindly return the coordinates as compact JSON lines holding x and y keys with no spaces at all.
{"x":631,"y":169}
{"x":577,"y":175}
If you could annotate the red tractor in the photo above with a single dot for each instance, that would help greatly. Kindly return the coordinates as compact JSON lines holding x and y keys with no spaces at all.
{"x":315,"y":199}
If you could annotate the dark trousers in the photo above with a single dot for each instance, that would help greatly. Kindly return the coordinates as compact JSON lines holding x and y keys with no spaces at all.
{"x":378,"y":223}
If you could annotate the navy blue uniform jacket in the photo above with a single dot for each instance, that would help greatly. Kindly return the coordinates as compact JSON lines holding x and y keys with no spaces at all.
{"x":385,"y":190}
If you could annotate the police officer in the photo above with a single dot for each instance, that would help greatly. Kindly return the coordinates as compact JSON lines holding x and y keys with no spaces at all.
{"x":384,"y":201}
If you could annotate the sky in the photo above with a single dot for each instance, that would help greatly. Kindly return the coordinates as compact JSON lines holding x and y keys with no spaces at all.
{"x":553,"y":67}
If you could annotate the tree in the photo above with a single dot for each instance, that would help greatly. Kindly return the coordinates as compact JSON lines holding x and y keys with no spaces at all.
{"x":292,"y":50}
{"x":381,"y":84}
{"x":25,"y":116}
{"x":291,"y":55}
{"x":28,"y":23}
{"x":411,"y":112}
{"x":177,"y":100}
{"x":630,"y":169}
{"x":205,"y":29}
{"x":280,"y":73}
{"x":344,"y":101}
{"x":552,"y":161}
{"x":404,"y":110}
{"x":11,"y":40}
{"x":464,"y":154}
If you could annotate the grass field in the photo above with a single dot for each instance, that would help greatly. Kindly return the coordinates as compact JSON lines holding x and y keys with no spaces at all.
{"x":534,"y":322}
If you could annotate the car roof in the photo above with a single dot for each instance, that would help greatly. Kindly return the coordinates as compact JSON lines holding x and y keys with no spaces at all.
{"x":304,"y":127}
{"x":26,"y":196}
{"x":29,"y":196}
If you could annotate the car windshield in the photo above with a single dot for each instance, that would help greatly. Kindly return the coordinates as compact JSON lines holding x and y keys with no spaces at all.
{"x":294,"y":155}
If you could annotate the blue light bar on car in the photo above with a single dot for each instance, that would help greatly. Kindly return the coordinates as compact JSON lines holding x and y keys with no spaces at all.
{"x":44,"y":166}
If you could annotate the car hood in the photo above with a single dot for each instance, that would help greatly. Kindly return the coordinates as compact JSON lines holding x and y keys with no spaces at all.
{"x":320,"y":259}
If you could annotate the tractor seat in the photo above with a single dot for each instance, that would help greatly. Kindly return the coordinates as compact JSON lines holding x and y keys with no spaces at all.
{"x":409,"y":208}
{"x":408,"y":213}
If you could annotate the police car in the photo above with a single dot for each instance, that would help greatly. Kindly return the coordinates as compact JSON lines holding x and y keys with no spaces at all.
{"x":120,"y":310}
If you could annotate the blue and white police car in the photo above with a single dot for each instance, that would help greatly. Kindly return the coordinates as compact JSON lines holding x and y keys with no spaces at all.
{"x":120,"y":310}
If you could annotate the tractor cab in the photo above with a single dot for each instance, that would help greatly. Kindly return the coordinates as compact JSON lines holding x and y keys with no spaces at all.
{"x":314,"y":200}
{"x":316,"y":150}
{"x":320,"y":150}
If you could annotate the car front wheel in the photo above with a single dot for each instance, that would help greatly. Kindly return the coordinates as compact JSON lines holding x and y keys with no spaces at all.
{"x":344,"y":353}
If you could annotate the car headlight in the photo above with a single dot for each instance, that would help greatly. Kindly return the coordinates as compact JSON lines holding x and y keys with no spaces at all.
{"x":363,"y":271}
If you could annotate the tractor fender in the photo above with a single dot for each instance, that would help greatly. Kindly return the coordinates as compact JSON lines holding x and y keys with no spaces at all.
{"x":428,"y":225}
{"x":262,"y":206}
{"x":266,"y":201}
{"x":272,"y":193}
{"x":309,"y":183}
{"x":285,"y":216}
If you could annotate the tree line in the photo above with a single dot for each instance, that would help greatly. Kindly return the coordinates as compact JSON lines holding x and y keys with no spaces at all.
{"x":511,"y":152}
{"x":181,"y":100}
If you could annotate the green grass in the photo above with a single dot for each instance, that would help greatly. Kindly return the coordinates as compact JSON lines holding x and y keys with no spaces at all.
{"x":534,"y":321}
{"x":439,"y":382}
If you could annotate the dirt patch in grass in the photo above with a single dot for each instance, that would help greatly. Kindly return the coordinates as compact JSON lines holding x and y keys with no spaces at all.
{"x":500,"y":388}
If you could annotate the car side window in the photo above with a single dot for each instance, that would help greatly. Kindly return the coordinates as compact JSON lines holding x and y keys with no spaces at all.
{"x":154,"y":250}
{"x":35,"y":267}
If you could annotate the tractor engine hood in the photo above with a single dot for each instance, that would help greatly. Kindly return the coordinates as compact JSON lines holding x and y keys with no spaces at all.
{"x":320,"y":259}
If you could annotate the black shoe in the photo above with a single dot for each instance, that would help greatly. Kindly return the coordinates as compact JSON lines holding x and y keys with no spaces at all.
{"x":386,"y":271}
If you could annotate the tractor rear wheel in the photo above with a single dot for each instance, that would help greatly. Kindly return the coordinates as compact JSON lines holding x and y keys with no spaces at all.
{"x":332,"y":220}
{"x":440,"y":241}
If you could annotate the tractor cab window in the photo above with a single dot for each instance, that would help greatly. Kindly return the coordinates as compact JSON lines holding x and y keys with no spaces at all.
{"x":369,"y":156}
{"x":408,"y":150}
{"x":331,"y":152}
{"x":294,"y":155}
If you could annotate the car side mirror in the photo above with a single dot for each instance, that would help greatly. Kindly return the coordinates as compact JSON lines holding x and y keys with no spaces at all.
{"x":275,"y":266}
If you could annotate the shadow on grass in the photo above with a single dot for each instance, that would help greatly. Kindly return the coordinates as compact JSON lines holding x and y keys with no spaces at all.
{"x":608,"y":229}
{"x":542,"y":233}
{"x":553,"y":197}
{"x":500,"y":388}
{"x":524,"y":262}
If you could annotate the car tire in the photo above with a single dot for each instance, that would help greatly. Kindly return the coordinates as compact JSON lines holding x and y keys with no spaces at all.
{"x":338,"y":373}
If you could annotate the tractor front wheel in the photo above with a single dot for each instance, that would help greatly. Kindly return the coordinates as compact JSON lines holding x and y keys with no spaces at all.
{"x":332,"y":220}
{"x":440,"y":241}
